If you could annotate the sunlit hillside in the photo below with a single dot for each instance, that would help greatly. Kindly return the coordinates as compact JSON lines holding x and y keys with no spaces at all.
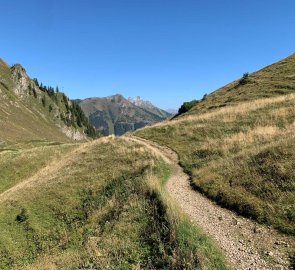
{"x":29,"y":111}
{"x":274,"y":80}
{"x":99,"y":205}
{"x":238,"y":145}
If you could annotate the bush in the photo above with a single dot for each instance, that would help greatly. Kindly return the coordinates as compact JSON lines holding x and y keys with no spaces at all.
{"x":22,"y":216}
{"x":244,"y":79}
{"x":186,"y":106}
{"x":204,"y":97}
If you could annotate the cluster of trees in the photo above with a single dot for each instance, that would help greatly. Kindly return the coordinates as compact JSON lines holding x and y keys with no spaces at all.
{"x":186,"y":106}
{"x":72,"y":115}
{"x":51,"y":92}
{"x":77,"y":117}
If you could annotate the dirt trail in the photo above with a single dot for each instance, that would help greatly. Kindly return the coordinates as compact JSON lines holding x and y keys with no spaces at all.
{"x":246,"y":244}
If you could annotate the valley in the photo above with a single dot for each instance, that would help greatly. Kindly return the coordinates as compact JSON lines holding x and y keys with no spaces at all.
{"x":147,"y":135}
{"x":210,"y":188}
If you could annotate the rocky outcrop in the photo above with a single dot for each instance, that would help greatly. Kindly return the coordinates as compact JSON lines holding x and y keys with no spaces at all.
{"x":148,"y":106}
{"x":29,"y":111}
{"x":73,"y":133}
{"x":21,"y":81}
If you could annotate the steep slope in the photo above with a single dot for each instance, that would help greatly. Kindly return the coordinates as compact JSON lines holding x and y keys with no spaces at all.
{"x":117,"y":115}
{"x":274,"y":80}
{"x":32,"y":112}
{"x":242,"y":155}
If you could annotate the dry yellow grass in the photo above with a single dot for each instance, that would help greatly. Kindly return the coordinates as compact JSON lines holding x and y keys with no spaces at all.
{"x":239,"y":155}
{"x":231,"y":113}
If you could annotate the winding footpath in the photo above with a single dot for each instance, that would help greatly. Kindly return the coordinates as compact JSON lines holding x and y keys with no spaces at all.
{"x":246,"y":244}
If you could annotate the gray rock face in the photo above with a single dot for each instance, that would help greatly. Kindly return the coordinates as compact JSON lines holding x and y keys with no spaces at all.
{"x":73,"y":133}
{"x":148,"y":106}
{"x":21,"y":81}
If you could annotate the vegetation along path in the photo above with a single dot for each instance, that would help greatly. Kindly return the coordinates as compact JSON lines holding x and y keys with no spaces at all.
{"x":246,"y":244}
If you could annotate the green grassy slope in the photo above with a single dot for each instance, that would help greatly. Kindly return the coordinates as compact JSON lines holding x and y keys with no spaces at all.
{"x":96,"y":209}
{"x":22,"y":160}
{"x":242,"y":156}
{"x":28,"y":113}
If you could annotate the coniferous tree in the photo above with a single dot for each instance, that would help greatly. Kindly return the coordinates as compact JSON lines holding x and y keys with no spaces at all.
{"x":36,"y":81}
{"x":204,"y":97}
{"x":34,"y":93}
{"x":73,"y":115}
{"x":43,"y":101}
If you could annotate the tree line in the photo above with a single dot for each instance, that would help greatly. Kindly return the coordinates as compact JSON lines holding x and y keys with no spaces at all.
{"x":72,"y":114}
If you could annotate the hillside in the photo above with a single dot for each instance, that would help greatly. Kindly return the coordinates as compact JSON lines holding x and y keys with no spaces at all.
{"x":32,"y":112}
{"x":274,"y":80}
{"x":97,"y":205}
{"x":117,"y":115}
{"x":91,"y":205}
{"x":238,"y":145}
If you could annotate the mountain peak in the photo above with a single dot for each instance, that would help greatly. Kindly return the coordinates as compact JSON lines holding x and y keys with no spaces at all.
{"x":19,"y":69}
{"x":148,"y":106}
{"x":118,"y":98}
{"x":116,"y":114}
{"x":140,"y":102}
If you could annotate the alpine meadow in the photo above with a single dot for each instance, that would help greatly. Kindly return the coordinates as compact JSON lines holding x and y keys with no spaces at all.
{"x":116,"y":152}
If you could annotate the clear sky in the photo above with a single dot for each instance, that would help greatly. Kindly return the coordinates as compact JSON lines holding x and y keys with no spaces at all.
{"x":166,"y":51}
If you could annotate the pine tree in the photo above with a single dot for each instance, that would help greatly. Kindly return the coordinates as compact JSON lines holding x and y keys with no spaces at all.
{"x":43,"y":101}
{"x":34,"y":93}
{"x":36,"y":81}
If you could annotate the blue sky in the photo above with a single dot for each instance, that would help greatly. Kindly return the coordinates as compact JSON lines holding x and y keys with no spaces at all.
{"x":166,"y":51}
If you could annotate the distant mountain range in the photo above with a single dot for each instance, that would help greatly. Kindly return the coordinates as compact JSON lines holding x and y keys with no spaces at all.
{"x":118,"y":115}
{"x":32,"y":111}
